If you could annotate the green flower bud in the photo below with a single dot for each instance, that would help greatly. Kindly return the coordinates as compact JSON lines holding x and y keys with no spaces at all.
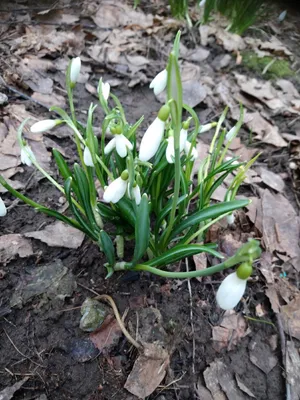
{"x":164,"y":113}
{"x":244,"y":271}
{"x":125,"y":175}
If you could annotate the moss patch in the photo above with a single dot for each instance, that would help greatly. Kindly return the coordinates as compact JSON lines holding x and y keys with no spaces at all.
{"x":278,"y":69}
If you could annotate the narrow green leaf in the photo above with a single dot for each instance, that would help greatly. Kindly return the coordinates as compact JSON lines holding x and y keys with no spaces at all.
{"x":142,"y":229}
{"x":126,"y":211}
{"x":165,"y":211}
{"x":179,"y":252}
{"x":108,"y":248}
{"x":208,"y":213}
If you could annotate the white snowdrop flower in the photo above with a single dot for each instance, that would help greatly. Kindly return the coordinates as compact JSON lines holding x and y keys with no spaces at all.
{"x":202,"y":3}
{"x":230,"y":135}
{"x":105,"y":89}
{"x":282,"y":16}
{"x":159,"y":83}
{"x":27,"y":155}
{"x":207,"y":127}
{"x":182,"y":139}
{"x":194,"y":153}
{"x":136,"y":192}
{"x":3,"y":209}
{"x":117,"y":189}
{"x":230,"y":219}
{"x":45,"y":125}
{"x":154,"y":135}
{"x":87,"y":157}
{"x":120,"y":143}
{"x":170,"y":151}
{"x":75,"y":70}
{"x":233,"y":287}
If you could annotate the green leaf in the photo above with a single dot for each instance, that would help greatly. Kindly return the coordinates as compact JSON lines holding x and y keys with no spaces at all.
{"x":63,"y":167}
{"x":174,"y":91}
{"x":165,"y":211}
{"x":84,"y":224}
{"x":83,"y":187}
{"x":209,"y":213}
{"x":179,"y":252}
{"x":142,"y":229}
{"x":61,"y":217}
{"x":107,"y":248}
{"x":126,"y":211}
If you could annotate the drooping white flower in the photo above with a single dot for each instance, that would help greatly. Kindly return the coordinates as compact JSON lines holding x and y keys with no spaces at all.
{"x":136,"y":193}
{"x":230,"y":135}
{"x":27,"y":155}
{"x":282,"y":16}
{"x":116,"y":190}
{"x":207,"y":127}
{"x":151,"y":140}
{"x":87,"y":157}
{"x":202,"y":3}
{"x":75,"y":70}
{"x":194,"y":153}
{"x":231,"y":291}
{"x":120,"y":143}
{"x":105,"y":89}
{"x":159,"y":83}
{"x":3,"y":210}
{"x":44,"y":125}
{"x":182,"y":139}
{"x":170,"y":151}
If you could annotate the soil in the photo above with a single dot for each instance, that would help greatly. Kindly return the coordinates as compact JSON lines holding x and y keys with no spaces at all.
{"x":40,"y":339}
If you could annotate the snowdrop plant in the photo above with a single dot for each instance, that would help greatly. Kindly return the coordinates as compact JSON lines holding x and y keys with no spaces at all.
{"x":150,"y":195}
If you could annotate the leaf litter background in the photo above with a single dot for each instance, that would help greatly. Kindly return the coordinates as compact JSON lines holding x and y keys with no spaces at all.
{"x":47,"y":268}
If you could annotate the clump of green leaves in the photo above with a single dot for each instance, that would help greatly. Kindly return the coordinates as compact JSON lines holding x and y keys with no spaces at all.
{"x":151,"y":198}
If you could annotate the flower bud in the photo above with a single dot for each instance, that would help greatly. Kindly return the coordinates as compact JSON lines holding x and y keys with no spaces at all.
{"x":207,"y":127}
{"x":27,"y":156}
{"x":87,"y":157}
{"x":159,"y":83}
{"x":75,"y":70}
{"x":231,"y":291}
{"x":45,"y":125}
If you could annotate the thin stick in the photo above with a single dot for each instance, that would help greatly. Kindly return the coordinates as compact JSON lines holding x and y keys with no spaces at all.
{"x":283,"y":351}
{"x":22,"y":354}
{"x":191,"y":316}
{"x":116,"y":312}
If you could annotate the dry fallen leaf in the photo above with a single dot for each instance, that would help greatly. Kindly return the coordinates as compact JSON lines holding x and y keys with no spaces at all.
{"x":200,"y":261}
{"x":108,"y":335}
{"x":243,"y":387}
{"x":272,"y":180}
{"x":281,"y":226}
{"x":59,"y":235}
{"x":148,"y":371}
{"x":292,"y":365}
{"x":290,"y":315}
{"x":13,"y":245}
{"x":261,"y":355}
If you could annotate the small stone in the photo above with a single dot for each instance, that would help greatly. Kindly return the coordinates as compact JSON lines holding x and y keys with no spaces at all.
{"x":93,"y":315}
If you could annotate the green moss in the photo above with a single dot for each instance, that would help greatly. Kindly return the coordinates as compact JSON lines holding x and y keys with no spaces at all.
{"x":278,"y":69}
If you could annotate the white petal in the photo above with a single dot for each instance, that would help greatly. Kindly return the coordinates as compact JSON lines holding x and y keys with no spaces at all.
{"x":75,"y":69}
{"x":110,"y":146}
{"x":170,"y":152}
{"x":151,"y":140}
{"x":230,"y":219}
{"x":230,"y":135}
{"x":115,"y":191}
{"x":87,"y":157}
{"x":202,"y":3}
{"x":205,"y":128}
{"x":3,"y":210}
{"x":26,"y":153}
{"x":182,"y":139}
{"x":137,"y":194}
{"x":159,"y":83}
{"x":231,"y":291}
{"x":121,"y":145}
{"x":127,"y":142}
{"x":194,"y":153}
{"x":105,"y":90}
{"x":44,"y":125}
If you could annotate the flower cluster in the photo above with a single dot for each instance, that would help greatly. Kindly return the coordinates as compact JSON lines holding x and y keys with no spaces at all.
{"x":146,"y":190}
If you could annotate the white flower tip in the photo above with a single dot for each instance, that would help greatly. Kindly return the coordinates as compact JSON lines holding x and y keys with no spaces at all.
{"x":27,"y":156}
{"x":75,"y":69}
{"x":87,"y":157}
{"x":3,"y":209}
{"x":105,"y":90}
{"x":231,"y":291}
{"x":44,"y":125}
{"x":159,"y":83}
